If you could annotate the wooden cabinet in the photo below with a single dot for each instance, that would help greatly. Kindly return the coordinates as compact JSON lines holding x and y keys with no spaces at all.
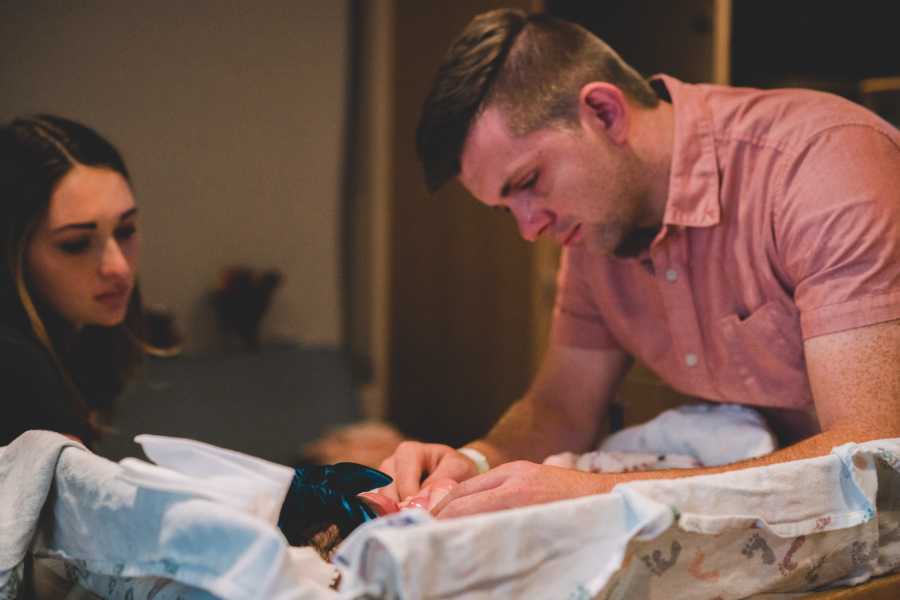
{"x":461,"y":312}
{"x":810,"y":43}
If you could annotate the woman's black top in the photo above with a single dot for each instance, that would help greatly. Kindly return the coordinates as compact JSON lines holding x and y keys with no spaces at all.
{"x":33,"y":391}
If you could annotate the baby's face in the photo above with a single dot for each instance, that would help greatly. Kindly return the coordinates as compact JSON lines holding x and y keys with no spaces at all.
{"x":427,"y":498}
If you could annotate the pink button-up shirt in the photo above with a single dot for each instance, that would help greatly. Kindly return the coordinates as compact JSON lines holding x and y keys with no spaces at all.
{"x":782,"y":224}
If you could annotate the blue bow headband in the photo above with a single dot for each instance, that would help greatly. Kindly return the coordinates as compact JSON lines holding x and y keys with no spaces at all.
{"x":324,"y":495}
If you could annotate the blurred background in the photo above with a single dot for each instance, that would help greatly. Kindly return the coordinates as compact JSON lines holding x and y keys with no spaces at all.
{"x":275,"y":137}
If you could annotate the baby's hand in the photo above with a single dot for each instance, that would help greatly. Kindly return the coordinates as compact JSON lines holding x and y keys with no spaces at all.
{"x":379,"y":503}
{"x":429,"y":496}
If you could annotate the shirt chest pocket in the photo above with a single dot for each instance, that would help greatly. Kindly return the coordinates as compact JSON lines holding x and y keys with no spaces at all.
{"x":763,"y":363}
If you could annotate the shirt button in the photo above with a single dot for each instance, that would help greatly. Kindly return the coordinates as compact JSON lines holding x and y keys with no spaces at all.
{"x":671,"y":274}
{"x":691,"y":359}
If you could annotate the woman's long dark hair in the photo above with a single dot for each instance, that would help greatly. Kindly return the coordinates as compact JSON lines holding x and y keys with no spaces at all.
{"x":35,"y":154}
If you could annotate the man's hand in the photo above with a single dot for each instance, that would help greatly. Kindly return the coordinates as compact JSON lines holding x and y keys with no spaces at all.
{"x":519,"y":483}
{"x":415,"y":465}
{"x":562,"y":410}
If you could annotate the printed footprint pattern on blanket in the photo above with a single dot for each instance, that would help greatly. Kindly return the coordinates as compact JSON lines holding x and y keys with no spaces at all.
{"x":758,"y":543}
{"x":659,"y":565}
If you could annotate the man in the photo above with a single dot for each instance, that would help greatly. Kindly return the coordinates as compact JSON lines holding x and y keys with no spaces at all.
{"x":743,"y":244}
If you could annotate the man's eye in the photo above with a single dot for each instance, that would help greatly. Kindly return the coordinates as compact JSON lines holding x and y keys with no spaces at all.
{"x":75,"y":246}
{"x":126,"y":232}
{"x":530,"y":182}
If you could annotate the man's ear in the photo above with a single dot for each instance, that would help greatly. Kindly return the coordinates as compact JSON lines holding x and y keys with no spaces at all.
{"x":602,"y":106}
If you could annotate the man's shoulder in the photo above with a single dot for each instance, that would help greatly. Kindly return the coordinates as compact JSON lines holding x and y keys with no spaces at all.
{"x":786,"y":119}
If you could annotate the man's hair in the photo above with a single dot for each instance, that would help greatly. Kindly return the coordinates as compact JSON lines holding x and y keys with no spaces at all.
{"x":532,"y":66}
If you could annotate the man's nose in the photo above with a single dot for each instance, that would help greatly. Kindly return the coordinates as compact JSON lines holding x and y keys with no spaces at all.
{"x":113,"y":262}
{"x":532,"y":221}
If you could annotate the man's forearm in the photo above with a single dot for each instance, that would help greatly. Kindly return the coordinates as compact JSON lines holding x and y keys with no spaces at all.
{"x":817,"y":445}
{"x":562,"y":410}
{"x":525,"y":432}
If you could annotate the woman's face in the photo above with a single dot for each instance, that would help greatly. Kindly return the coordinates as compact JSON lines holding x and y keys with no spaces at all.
{"x":82,"y":258}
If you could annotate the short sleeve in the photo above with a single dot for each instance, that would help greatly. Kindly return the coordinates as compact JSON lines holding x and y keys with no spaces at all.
{"x":577,"y":320}
{"x":838,"y":233}
{"x":34,"y":393}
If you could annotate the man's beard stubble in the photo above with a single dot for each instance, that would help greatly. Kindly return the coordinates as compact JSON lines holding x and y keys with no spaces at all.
{"x":637,"y":197}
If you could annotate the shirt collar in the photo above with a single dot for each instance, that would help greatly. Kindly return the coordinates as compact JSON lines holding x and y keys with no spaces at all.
{"x":694,"y":177}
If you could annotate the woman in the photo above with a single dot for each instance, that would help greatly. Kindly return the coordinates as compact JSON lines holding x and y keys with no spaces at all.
{"x":70,"y":311}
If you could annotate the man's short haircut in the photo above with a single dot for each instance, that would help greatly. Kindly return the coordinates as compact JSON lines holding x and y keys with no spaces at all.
{"x":532,"y":66}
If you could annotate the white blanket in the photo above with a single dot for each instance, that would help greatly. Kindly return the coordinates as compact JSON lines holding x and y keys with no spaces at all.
{"x":27,"y":470}
{"x":144,"y":531}
{"x":141,"y":531}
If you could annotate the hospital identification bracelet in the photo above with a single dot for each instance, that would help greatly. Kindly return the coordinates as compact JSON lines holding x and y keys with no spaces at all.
{"x":481,"y":462}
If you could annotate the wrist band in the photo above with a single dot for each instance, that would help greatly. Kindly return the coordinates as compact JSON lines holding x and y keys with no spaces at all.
{"x":481,"y":462}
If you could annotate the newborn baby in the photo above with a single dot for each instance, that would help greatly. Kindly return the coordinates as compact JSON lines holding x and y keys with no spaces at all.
{"x":325,"y":503}
{"x":326,"y":541}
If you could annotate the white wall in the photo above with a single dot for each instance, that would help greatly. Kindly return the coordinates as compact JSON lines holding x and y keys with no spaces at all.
{"x":230,"y":117}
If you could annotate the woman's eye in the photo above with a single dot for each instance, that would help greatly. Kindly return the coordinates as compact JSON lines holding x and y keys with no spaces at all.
{"x":75,"y":246}
{"x":125,"y":232}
